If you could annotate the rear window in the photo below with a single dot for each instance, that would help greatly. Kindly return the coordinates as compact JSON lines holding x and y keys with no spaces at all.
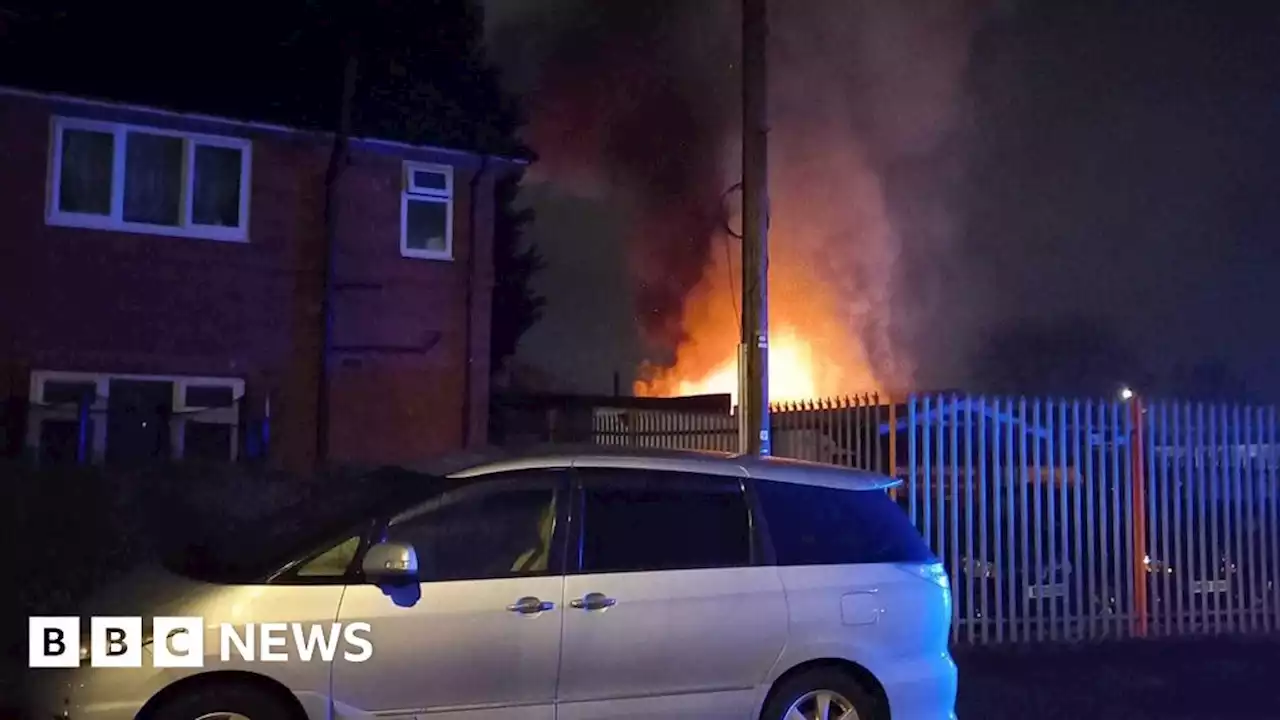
{"x":824,"y":526}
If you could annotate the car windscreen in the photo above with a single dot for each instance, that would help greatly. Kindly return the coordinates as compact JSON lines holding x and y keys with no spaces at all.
{"x":813,"y":525}
{"x":243,"y":550}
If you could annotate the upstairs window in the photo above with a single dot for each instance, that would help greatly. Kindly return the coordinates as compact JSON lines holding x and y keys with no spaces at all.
{"x":111,"y":176}
{"x":426,"y":212}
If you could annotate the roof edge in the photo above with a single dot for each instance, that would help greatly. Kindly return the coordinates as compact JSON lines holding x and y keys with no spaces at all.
{"x":249,"y":124}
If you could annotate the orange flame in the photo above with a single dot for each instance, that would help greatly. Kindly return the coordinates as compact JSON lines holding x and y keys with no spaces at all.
{"x":813,"y":353}
{"x":833,"y":259}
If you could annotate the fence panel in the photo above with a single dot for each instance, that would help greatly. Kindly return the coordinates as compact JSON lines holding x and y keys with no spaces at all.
{"x":666,"y":430}
{"x":842,"y":431}
{"x":1057,"y":519}
{"x":1211,"y":565}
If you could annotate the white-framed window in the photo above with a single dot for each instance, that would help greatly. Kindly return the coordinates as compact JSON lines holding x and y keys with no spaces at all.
{"x":113,"y":176}
{"x":426,"y":211}
{"x":133,"y":416}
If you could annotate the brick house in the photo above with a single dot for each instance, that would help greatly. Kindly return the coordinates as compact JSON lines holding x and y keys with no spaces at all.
{"x":169,"y":267}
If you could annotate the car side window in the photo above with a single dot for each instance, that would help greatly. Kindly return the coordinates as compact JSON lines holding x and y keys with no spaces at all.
{"x":487,"y":531}
{"x":332,"y":563}
{"x":638,"y":520}
{"x":812,"y":525}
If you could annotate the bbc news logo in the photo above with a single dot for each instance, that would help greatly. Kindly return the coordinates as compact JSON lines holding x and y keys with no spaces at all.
{"x":178,"y":642}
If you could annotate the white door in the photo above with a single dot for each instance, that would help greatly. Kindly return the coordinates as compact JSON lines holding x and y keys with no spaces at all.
{"x":479,"y":637}
{"x":671,"y":614}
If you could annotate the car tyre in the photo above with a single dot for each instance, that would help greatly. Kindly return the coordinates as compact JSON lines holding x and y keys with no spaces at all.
{"x":841,"y":689}
{"x":219,"y":700}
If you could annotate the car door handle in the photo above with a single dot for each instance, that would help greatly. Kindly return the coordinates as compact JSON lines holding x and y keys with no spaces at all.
{"x":530,"y":606}
{"x":593,"y":601}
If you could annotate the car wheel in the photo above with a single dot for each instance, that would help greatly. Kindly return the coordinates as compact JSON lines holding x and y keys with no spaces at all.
{"x":824,"y":694}
{"x":226,"y":701}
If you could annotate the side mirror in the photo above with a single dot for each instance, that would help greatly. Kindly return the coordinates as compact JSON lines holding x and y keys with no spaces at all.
{"x":391,"y":563}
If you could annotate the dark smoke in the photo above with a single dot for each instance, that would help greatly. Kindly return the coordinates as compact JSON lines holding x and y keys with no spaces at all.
{"x":620,"y":98}
{"x":868,"y":113}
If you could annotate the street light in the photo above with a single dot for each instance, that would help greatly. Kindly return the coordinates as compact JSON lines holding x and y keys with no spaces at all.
{"x":1126,"y":393}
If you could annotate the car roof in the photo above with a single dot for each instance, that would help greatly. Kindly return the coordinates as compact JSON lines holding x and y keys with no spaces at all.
{"x":800,"y":472}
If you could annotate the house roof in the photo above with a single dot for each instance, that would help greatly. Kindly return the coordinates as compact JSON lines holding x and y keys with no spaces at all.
{"x":237,"y":122}
{"x":966,"y":409}
{"x":941,"y":410}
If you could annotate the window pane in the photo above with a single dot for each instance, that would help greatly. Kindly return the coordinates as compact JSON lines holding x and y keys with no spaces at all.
{"x":153,"y":179}
{"x":85,"y":183}
{"x":207,"y":441}
{"x":427,"y":225}
{"x":67,"y":393}
{"x":824,"y":526}
{"x":430,"y":180}
{"x":493,"y":535}
{"x":634,"y":529}
{"x":334,"y":562}
{"x":216,"y":199}
{"x":209,"y":396}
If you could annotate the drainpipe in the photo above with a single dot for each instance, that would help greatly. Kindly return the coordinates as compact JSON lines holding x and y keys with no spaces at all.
{"x":468,"y":382}
{"x":337,"y":162}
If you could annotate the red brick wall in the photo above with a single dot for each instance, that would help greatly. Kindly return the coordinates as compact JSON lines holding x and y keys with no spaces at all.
{"x":78,"y":299}
{"x":402,"y":395}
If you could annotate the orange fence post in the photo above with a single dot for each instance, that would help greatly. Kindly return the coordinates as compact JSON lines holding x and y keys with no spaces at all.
{"x":1138,"y":452}
{"x":891,"y":462}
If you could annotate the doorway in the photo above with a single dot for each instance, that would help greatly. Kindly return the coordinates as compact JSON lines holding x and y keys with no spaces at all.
{"x":138,"y":414}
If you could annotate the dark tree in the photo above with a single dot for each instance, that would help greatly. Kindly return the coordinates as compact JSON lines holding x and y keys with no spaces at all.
{"x":423,"y":78}
{"x":1069,"y":357}
{"x":516,"y":307}
{"x":1210,"y":380}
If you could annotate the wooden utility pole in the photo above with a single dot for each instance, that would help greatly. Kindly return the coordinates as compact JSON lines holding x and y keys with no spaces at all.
{"x":753,"y":352}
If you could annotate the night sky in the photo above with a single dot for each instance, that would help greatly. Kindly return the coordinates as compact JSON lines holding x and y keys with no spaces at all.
{"x":1119,"y":164}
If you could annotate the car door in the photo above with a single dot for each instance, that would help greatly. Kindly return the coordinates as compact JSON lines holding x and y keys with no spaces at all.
{"x":672,"y":611}
{"x":479,"y":636}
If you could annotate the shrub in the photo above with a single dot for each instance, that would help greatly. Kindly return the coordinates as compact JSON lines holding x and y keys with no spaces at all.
{"x":69,"y":529}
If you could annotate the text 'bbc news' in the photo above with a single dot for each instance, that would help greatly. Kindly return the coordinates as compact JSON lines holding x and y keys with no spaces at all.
{"x":179,"y":642}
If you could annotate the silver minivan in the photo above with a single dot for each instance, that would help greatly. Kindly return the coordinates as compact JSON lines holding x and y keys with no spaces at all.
{"x":559,"y":585}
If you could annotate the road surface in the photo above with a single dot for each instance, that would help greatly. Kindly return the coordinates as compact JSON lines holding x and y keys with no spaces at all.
{"x":1209,"y":678}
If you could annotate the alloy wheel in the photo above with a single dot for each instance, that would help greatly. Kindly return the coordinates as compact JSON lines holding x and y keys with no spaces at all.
{"x":821,"y":705}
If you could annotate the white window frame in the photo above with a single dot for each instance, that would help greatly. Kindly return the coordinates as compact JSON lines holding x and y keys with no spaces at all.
{"x":54,"y":215}
{"x":410,"y":193}
{"x":182,"y":414}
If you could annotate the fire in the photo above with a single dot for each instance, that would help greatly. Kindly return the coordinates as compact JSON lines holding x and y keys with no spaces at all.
{"x":792,"y":375}
{"x":833,"y":282}
{"x":815,"y":347}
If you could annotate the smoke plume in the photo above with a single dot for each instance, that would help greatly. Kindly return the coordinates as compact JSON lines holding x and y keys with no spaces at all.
{"x":621,"y":96}
{"x":867,"y":117}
